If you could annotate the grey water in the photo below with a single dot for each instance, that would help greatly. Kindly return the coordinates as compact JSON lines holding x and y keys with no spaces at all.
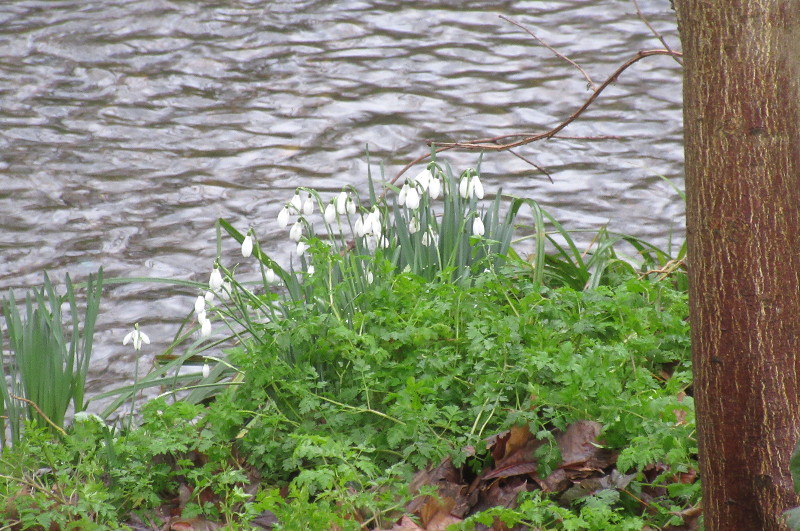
{"x":127,"y":127}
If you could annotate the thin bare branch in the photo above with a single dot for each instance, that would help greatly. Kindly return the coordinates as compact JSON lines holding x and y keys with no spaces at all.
{"x":655,"y":32}
{"x":532,"y":164}
{"x":564,"y":57}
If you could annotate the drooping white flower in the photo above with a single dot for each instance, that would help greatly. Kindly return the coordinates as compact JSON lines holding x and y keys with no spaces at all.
{"x":201,"y":316}
{"x":463,"y":187}
{"x":413,"y":226}
{"x":296,"y":232}
{"x":428,"y":238}
{"x":271,"y":276}
{"x":215,"y":281}
{"x":137,"y":336}
{"x":330,"y":213}
{"x":351,"y":205}
{"x":302,"y":247}
{"x":477,"y":227}
{"x":311,"y":270}
{"x":370,"y":277}
{"x":283,"y":217}
{"x":206,"y":370}
{"x":308,"y":206}
{"x":434,"y":188}
{"x":205,"y":328}
{"x":383,"y":242}
{"x":412,"y":198}
{"x":402,"y":195}
{"x":423,"y":178}
{"x":372,"y":225}
{"x":209,"y":296}
{"x":476,"y":188}
{"x":358,"y":226}
{"x":247,"y":246}
{"x":341,"y":203}
{"x":296,"y":202}
{"x":200,"y":304}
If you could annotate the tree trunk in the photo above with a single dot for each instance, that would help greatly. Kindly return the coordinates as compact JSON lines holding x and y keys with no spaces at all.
{"x":742,"y":137}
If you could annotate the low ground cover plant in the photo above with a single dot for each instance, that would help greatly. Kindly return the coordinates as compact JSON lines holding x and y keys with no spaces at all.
{"x":408,"y":371}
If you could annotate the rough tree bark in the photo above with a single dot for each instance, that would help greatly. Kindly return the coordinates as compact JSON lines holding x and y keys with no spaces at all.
{"x":742,"y":135}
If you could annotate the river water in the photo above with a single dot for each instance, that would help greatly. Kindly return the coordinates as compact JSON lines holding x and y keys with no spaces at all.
{"x":128,"y":126}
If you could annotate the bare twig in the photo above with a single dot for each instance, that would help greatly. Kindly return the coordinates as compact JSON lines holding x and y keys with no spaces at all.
{"x":655,"y":32}
{"x":45,"y":417}
{"x":567,"y":59}
{"x":532,"y":164}
{"x":491,"y":144}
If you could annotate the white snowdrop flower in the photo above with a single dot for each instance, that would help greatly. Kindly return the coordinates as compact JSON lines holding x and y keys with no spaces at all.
{"x":283,"y":217}
{"x":428,"y":238}
{"x":476,"y":188}
{"x":137,"y":336}
{"x":311,"y":270}
{"x":423,"y":178}
{"x":358,"y":226}
{"x":247,"y":246}
{"x":383,"y":242}
{"x":201,"y":316}
{"x":302,"y":247}
{"x":296,"y":232}
{"x":271,"y":276}
{"x":206,"y":370}
{"x":477,"y":227}
{"x":215,"y":281}
{"x":373,"y":223}
{"x":296,"y":202}
{"x":401,"y":196}
{"x":412,"y":198}
{"x":330,"y":213}
{"x":434,"y":188}
{"x":209,"y":296}
{"x":341,"y":203}
{"x":350,"y":205}
{"x":200,"y":304}
{"x":308,"y":206}
{"x":463,"y":187}
{"x":225,"y":290}
{"x":370,"y":277}
{"x":413,"y":226}
{"x":205,"y":328}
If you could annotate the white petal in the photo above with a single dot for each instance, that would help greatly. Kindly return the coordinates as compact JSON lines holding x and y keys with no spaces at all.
{"x":247,"y":246}
{"x":201,"y":316}
{"x":341,"y":203}
{"x":351,"y":205}
{"x":358,"y":227}
{"x":128,"y":338}
{"x":215,"y":281}
{"x":463,"y":187}
{"x":311,"y":270}
{"x":206,"y":370}
{"x":296,"y":232}
{"x":144,"y":337}
{"x":199,"y":304}
{"x":209,"y":296}
{"x":434,"y":188}
{"x":271,"y":276}
{"x":413,"y":226}
{"x":302,"y":247}
{"x":297,"y":203}
{"x":330,"y":213}
{"x":477,"y":227}
{"x":205,"y":328}
{"x":412,"y":198}
{"x":308,"y":206}
{"x":477,"y":187}
{"x":283,"y":217}
{"x":370,"y":277}
{"x":423,"y":178}
{"x":401,"y":197}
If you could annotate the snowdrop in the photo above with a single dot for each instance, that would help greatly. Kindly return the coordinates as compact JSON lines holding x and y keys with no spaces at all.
{"x":434,"y":188}
{"x":199,"y":304}
{"x":205,"y":327}
{"x":470,"y":186}
{"x":412,"y":198}
{"x":350,"y":205}
{"x":206,"y":370}
{"x":247,"y":246}
{"x":271,"y":276}
{"x":370,"y":277}
{"x":302,"y":247}
{"x":308,"y":206}
{"x":215,"y":281}
{"x":477,"y":226}
{"x":137,"y":336}
{"x":423,"y":178}
{"x":341,"y":203}
{"x":283,"y":217}
{"x":477,"y":187}
{"x":296,"y":232}
{"x":296,"y":202}
{"x":401,"y":196}
{"x":330,"y":213}
{"x":311,"y":270}
{"x":413,"y":226}
{"x":428,"y":238}
{"x":359,"y":228}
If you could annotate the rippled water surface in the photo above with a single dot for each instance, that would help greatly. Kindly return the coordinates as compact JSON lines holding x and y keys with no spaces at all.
{"x":128,"y":127}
